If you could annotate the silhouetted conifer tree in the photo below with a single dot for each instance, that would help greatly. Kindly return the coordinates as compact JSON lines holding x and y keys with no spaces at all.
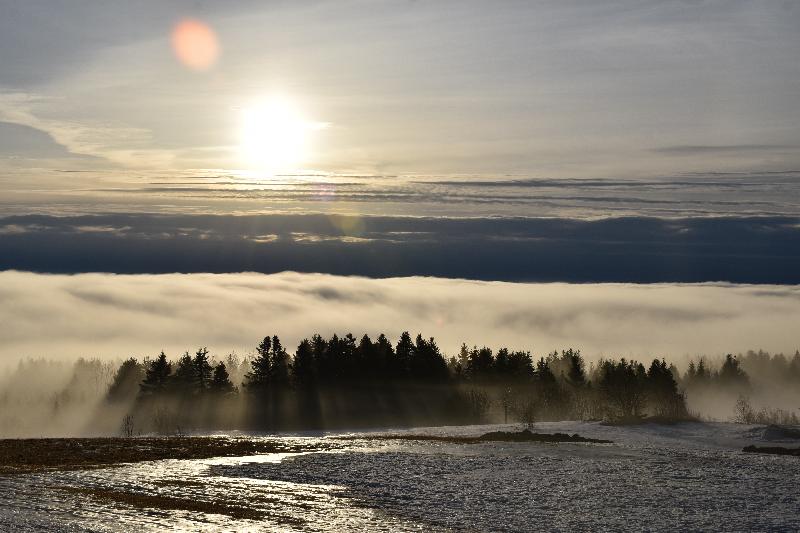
{"x":384,"y":355}
{"x":279,"y":364}
{"x":366,"y":364}
{"x":184,"y":380}
{"x":304,"y":366}
{"x":202,"y":369}
{"x":576,"y":376}
{"x":550,"y":396}
{"x":426,"y":362}
{"x":520,"y":366}
{"x":221,"y":381}
{"x":501,"y":363}
{"x":731,"y":373}
{"x":157,"y":375}
{"x":480,"y":364}
{"x":690,"y":376}
{"x":403,"y":353}
{"x":463,"y":356}
{"x":662,"y":391}
{"x":701,"y":374}
{"x":624,"y":385}
{"x":258,"y":379}
{"x":330,"y":360}
{"x":319,"y":349}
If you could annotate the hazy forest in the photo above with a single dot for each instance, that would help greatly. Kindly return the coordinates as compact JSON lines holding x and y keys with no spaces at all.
{"x":346,"y":382}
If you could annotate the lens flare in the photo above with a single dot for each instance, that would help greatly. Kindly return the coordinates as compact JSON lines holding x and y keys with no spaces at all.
{"x":195,"y":44}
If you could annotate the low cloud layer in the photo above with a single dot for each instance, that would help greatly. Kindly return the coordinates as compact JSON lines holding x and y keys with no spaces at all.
{"x":114,"y":316}
{"x":625,"y":249}
{"x":690,"y":194}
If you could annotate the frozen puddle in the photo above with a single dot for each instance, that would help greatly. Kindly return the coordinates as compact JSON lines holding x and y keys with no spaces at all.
{"x":684,"y":477}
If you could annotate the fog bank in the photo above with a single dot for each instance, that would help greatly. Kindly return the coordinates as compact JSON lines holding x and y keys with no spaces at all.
{"x":115,"y":316}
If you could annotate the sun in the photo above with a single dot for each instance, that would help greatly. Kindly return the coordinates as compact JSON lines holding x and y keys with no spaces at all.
{"x":275,"y":136}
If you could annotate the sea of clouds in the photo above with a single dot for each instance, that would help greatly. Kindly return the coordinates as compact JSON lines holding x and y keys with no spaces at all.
{"x":115,"y":316}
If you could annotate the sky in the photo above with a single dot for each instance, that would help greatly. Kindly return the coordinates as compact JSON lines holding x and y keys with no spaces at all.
{"x":511,"y":160}
{"x":545,"y":88}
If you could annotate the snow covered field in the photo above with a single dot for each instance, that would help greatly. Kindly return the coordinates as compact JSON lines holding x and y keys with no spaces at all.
{"x":685,"y":477}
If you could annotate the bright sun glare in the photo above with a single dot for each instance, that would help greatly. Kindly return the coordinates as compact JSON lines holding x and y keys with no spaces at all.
{"x":275,"y":136}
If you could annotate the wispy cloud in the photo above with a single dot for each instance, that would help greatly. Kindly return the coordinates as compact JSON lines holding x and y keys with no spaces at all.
{"x":115,"y":143}
{"x":725,"y":149}
{"x":561,"y":88}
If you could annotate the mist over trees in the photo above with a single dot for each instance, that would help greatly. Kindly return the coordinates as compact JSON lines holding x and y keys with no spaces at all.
{"x":346,"y":381}
{"x":350,"y":382}
{"x":44,"y":397}
{"x":742,"y":381}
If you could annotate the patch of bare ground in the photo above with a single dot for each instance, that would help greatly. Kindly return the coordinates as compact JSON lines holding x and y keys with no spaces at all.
{"x":494,"y":436}
{"x":772,"y":450}
{"x":172,"y":503}
{"x":35,"y":455}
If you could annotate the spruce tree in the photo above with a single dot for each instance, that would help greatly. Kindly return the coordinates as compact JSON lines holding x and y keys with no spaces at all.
{"x":303,"y":368}
{"x":184,"y":381}
{"x":520,"y":366}
{"x":662,"y":391}
{"x":202,"y":368}
{"x":384,"y":354}
{"x":157,"y":375}
{"x":366,"y":363}
{"x":501,"y":366}
{"x":731,"y":373}
{"x":480,"y":365}
{"x":279,"y":364}
{"x":691,"y":374}
{"x":402,"y":357}
{"x":257,"y":380}
{"x":576,"y":376}
{"x":221,"y":381}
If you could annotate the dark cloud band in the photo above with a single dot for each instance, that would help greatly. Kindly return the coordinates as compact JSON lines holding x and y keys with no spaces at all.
{"x":631,"y":249}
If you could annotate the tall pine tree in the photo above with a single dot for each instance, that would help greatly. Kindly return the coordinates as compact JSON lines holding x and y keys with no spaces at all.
{"x":202,"y":368}
{"x":258,"y":379}
{"x":157,"y":375}
{"x":221,"y":382}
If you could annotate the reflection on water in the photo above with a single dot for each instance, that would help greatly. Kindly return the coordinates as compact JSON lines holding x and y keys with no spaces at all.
{"x":691,"y":476}
{"x":183,"y":495}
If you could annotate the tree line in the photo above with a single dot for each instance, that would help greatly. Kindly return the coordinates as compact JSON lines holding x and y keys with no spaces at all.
{"x":349,"y":381}
{"x":739,"y":377}
{"x":344,"y":381}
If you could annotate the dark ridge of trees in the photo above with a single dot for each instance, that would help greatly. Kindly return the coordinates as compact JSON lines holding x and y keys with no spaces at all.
{"x":346,"y":381}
